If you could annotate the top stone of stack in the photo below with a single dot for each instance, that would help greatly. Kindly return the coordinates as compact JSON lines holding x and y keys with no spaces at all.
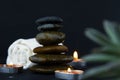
{"x":51,"y":23}
{"x":50,"y":19}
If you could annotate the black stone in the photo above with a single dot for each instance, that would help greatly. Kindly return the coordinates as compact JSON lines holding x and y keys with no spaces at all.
{"x":53,"y":49}
{"x":49,"y":27}
{"x":49,"y":19}
{"x":51,"y":59}
{"x":50,"y":37}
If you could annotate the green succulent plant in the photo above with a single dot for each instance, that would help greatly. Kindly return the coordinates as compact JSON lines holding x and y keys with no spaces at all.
{"x":108,"y":52}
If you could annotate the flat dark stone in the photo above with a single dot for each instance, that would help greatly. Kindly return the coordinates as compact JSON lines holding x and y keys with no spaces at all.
{"x":50,"y":37}
{"x":53,"y":49}
{"x":48,"y":69}
{"x":49,"y":27}
{"x":51,"y":59}
{"x":49,"y":19}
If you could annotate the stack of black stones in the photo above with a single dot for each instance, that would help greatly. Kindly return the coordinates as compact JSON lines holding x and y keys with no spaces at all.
{"x":52,"y":55}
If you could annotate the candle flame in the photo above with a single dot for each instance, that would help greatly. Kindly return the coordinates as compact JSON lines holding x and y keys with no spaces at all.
{"x":75,"y":55}
{"x":68,"y":70}
{"x":10,"y":64}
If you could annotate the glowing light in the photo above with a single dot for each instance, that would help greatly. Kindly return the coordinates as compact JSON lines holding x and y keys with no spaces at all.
{"x":75,"y":55}
{"x":69,"y":70}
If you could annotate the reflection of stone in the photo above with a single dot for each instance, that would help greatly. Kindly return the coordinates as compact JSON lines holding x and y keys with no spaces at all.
{"x":50,"y":56}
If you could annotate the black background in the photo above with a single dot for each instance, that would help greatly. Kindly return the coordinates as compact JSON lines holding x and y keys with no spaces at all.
{"x":17,"y":20}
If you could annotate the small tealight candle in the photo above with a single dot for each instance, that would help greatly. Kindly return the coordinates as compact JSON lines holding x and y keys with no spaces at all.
{"x":69,"y":74}
{"x":77,"y":63}
{"x":10,"y":68}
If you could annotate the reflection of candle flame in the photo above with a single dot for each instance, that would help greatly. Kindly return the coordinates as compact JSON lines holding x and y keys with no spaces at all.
{"x":68,"y":70}
{"x":75,"y":55}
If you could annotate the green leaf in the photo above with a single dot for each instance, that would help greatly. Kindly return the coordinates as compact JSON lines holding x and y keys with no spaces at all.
{"x":115,"y":51}
{"x":97,"y":57}
{"x":103,"y":70}
{"x":112,"y":30}
{"x":115,"y":79}
{"x":97,"y":36}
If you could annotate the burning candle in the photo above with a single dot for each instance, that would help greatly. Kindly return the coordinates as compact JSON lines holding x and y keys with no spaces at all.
{"x":77,"y":63}
{"x":69,"y":70}
{"x":69,"y":74}
{"x":75,"y":56}
{"x":10,"y":68}
{"x":10,"y":64}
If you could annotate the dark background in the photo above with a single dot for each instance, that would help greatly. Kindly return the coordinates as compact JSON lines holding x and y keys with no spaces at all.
{"x":17,"y":20}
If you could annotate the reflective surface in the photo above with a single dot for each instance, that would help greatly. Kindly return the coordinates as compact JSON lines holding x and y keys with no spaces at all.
{"x":27,"y":75}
